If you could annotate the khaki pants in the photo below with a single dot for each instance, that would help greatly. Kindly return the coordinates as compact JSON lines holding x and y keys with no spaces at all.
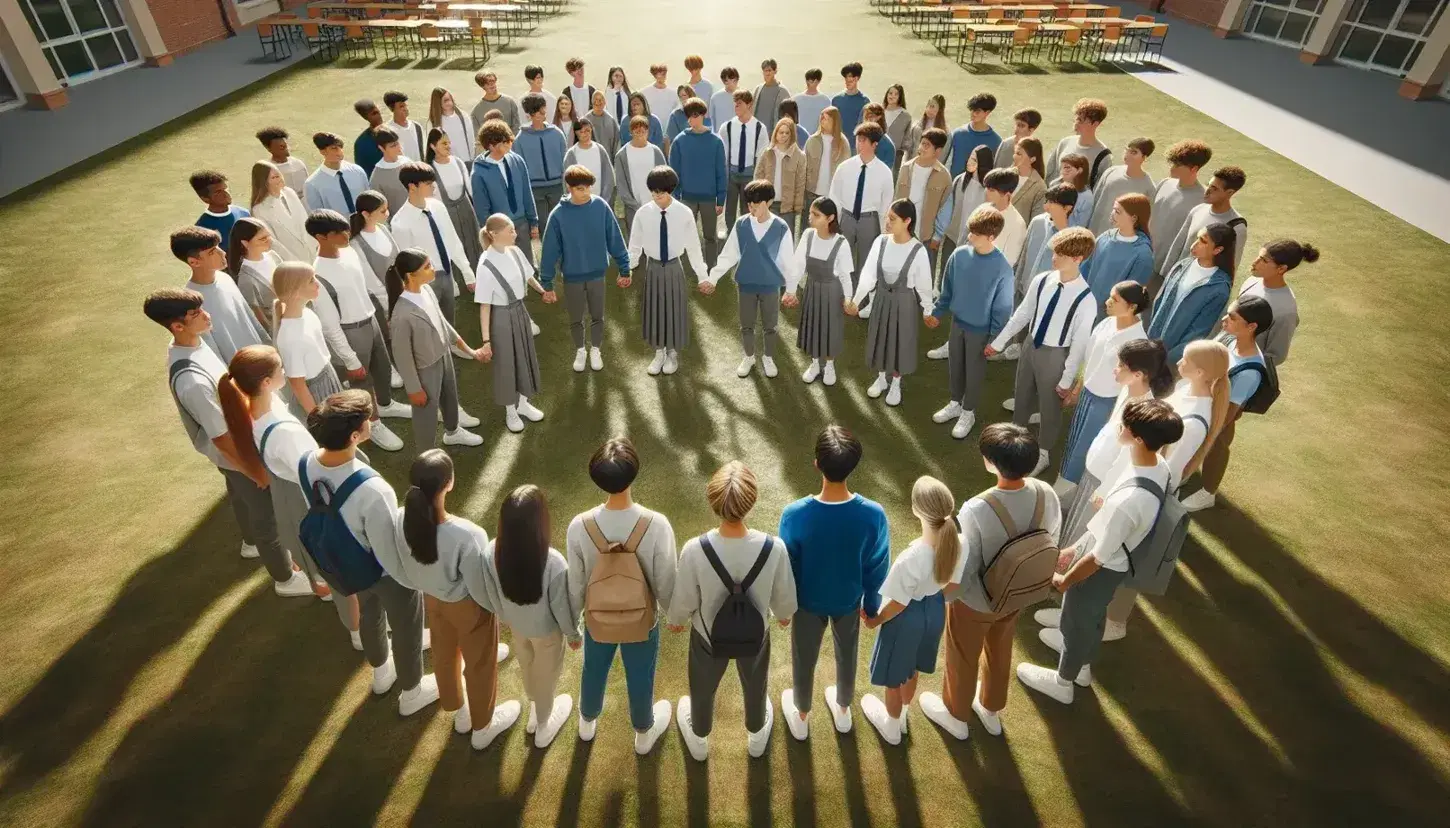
{"x":463,"y":628}
{"x":969,"y":633}
{"x":541,"y":660}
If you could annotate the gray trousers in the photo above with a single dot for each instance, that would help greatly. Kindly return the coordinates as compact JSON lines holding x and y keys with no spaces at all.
{"x":524,"y":242}
{"x":447,"y":292}
{"x":545,"y":200}
{"x":253,"y":509}
{"x":440,"y":383}
{"x":1084,"y":611}
{"x":367,"y":341}
{"x":806,"y":631}
{"x":966,"y":366}
{"x":805,"y":218}
{"x":1039,"y":370}
{"x":388,"y":603}
{"x":705,"y":216}
{"x":629,"y":213}
{"x":706,"y":670}
{"x":578,"y":295}
{"x":860,"y":234}
{"x":762,"y":307}
{"x":735,"y":197}
{"x":788,"y":218}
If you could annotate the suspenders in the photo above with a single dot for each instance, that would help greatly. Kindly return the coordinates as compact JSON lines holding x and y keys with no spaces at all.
{"x":1071,"y":311}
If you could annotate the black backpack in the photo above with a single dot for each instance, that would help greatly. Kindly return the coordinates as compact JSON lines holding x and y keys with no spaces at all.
{"x":738,"y":630}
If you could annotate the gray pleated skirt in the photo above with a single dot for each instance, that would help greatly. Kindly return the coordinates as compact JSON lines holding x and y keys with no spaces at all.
{"x":892,"y":332}
{"x":822,"y":332}
{"x":515,"y":362}
{"x":321,"y":387}
{"x":666,"y":312}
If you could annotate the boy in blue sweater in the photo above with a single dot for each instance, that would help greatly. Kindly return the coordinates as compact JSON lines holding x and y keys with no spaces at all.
{"x":501,"y":184}
{"x":365,"y":151}
{"x":582,"y":235}
{"x":698,"y":158}
{"x":975,"y":133}
{"x":976,"y":289}
{"x":760,"y":244}
{"x":852,"y":100}
{"x":542,"y":146}
{"x":840,"y":551}
{"x":221,"y":213}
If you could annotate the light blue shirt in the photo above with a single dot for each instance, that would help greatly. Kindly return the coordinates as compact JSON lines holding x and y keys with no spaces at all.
{"x":1243,"y":384}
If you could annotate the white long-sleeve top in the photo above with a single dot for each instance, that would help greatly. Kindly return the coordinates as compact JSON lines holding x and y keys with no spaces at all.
{"x":730,"y":255}
{"x":891,"y":255}
{"x":1194,"y":432}
{"x":644,"y":235}
{"x":411,"y":229}
{"x":459,"y":128}
{"x":1102,"y":355}
{"x":1013,"y":236}
{"x":347,"y":274}
{"x":753,"y":137}
{"x":1033,"y":309}
{"x":820,"y":248}
{"x":879,"y":189}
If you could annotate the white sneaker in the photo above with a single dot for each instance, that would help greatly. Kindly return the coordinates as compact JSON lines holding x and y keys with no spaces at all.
{"x":657,"y":364}
{"x":503,"y":653}
{"x":1063,"y":488}
{"x":745,"y":366}
{"x":875,"y":710}
{"x":459,"y":437}
{"x":935,"y":709}
{"x":672,"y":364}
{"x":840,"y":716}
{"x":504,"y":716}
{"x":948,"y":412}
{"x":396,"y":410}
{"x":1009,"y":404}
{"x":533,"y":328}
{"x":828,"y":374}
{"x":384,"y":676}
{"x":893,"y":397}
{"x":1007,"y":354}
{"x":546,"y":731}
{"x":768,"y":364}
{"x":356,"y":637}
{"x":395,"y":379}
{"x":699,"y":746}
{"x":1052,"y":637}
{"x":798,"y":727}
{"x":991,"y":721}
{"x":511,"y":419}
{"x":297,"y":586}
{"x":1113,"y":631}
{"x":466,"y":420}
{"x":1050,"y":617}
{"x":1084,"y":676}
{"x":942,"y":352}
{"x":1043,"y":458}
{"x":462,"y":721}
{"x":645,"y":742}
{"x":757,"y":742}
{"x":1045,"y":681}
{"x":581,"y":357}
{"x":250,"y":551}
{"x":411,"y":701}
{"x":587,"y":727}
{"x":964,"y":425}
{"x":533,"y":722}
{"x":812,"y":371}
{"x":1198,"y":501}
{"x":596,"y":360}
{"x":384,"y":438}
{"x":427,"y":642}
{"x":878,"y":387}
{"x":527,"y":410}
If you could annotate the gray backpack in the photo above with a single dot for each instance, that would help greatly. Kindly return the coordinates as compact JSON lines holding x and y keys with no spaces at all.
{"x":1152,"y":562}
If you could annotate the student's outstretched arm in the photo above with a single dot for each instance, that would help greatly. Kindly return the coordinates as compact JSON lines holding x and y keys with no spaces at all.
{"x":550,"y":254}
{"x":728,"y":257}
{"x":943,"y":218}
{"x":888,"y":612}
{"x":1022,"y":316}
{"x":874,"y":568}
{"x":782,"y":588}
{"x":561,"y":608}
{"x":635,"y":243}
{"x":614,"y":242}
{"x":1078,"y":339}
{"x":867,"y":281}
{"x":948,"y":290}
{"x":531,"y":210}
{"x":685,"y":601}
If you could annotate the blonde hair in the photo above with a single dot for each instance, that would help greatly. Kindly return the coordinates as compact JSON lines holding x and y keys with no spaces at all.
{"x":932,"y":501}
{"x":492,"y":225}
{"x":835,"y":132}
{"x":435,"y":107}
{"x":261,"y":171}
{"x":787,"y":123}
{"x":732,"y":491}
{"x":288,"y":281}
{"x":1211,"y":357}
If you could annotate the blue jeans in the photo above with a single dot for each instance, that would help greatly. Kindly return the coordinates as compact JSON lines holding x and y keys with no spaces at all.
{"x":639,"y":658}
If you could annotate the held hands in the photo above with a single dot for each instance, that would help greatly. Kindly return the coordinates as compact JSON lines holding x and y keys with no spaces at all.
{"x":851,"y":309}
{"x":359,"y":373}
{"x":484,"y":353}
{"x":785,"y":622}
{"x":418,"y":399}
{"x":1097,"y":501}
{"x":790,"y":300}
{"x":1064,"y":393}
{"x":534,"y":232}
{"x":934,"y":244}
{"x":574,"y":645}
{"x":624,"y":281}
{"x":719,"y":210}
{"x":1059,"y":582}
{"x":469,"y":286}
{"x":1065,"y":558}
{"x":675,"y":628}
{"x":932,"y":322}
{"x":550,"y":297}
{"x":989,"y":351}
{"x":1072,"y":394}
{"x":869,"y":622}
{"x":707,"y":288}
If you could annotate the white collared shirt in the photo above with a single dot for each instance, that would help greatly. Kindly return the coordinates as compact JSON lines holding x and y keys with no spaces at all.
{"x":729,"y":256}
{"x":644,"y":235}
{"x":512,"y":266}
{"x":1102,"y":355}
{"x":1034,"y":309}
{"x":411,"y":229}
{"x":753,"y":136}
{"x":878,"y":193}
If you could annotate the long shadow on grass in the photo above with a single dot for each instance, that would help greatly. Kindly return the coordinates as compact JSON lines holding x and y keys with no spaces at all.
{"x":990,"y":774}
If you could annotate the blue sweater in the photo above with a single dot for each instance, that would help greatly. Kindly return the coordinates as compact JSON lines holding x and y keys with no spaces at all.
{"x":850,"y":106}
{"x":801,"y":136}
{"x":491,"y":196}
{"x":839,"y":554}
{"x":366,"y":153}
{"x":977,"y":289}
{"x":1179,"y":316}
{"x":581,"y":238}
{"x":679,"y":123}
{"x":964,"y":140}
{"x":1115,"y":260}
{"x":758,"y":271}
{"x":543,"y":153}
{"x":886,"y":150}
{"x":222,"y":224}
{"x":699,"y":160}
{"x":656,"y":133}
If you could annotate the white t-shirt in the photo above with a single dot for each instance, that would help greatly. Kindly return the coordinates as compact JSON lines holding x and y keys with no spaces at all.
{"x":593,"y":158}
{"x":264,"y":267}
{"x":641,"y":161}
{"x":1102,"y":355}
{"x":514,"y":268}
{"x":911,"y":577}
{"x":458,"y":128}
{"x":289,"y":441}
{"x":1126,"y":516}
{"x":1196,"y":275}
{"x":823,"y":176}
{"x":1105,"y":451}
{"x":453,"y":177}
{"x":199,"y":397}
{"x":429,"y":303}
{"x":919,"y":176}
{"x":779,"y":163}
{"x":1194,"y":432}
{"x":346,"y":275}
{"x":302,"y":345}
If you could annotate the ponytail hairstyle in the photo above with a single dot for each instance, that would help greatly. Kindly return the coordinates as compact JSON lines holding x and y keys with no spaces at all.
{"x":521,"y":545}
{"x":1211,"y":357}
{"x":244,"y":230}
{"x":434,"y":136}
{"x":289,"y":283}
{"x":1287,"y":253}
{"x":249,"y":368}
{"x":431,"y":474}
{"x":1149,"y":358}
{"x":406,"y":264}
{"x":905,"y":209}
{"x":366,"y":202}
{"x":1222,"y":236}
{"x":827,"y":207}
{"x":491,"y":225}
{"x":932,"y":501}
{"x":1134,"y":294}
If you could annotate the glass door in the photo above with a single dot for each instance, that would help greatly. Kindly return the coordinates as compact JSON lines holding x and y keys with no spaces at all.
{"x":1387,"y":35}
{"x":82,"y":39}
{"x":1282,"y":21}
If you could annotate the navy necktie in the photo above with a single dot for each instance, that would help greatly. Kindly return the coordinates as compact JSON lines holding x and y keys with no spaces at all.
{"x":346,"y":193}
{"x":1041,"y":334}
{"x":740,"y":167}
{"x":664,"y":237}
{"x":860,"y":193}
{"x":619,"y":107}
{"x":443,"y":249}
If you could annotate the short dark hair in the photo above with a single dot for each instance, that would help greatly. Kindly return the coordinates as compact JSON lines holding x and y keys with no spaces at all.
{"x":1062,"y":194}
{"x":789,"y":109}
{"x":1190,"y":153}
{"x":416,"y":172}
{"x":614,"y":465}
{"x":573,"y":64}
{"x":382,"y":136}
{"x":1010,"y":448}
{"x":202,"y":180}
{"x":494,"y":132}
{"x":758,"y":191}
{"x":729,"y":73}
{"x":905,"y":209}
{"x":1232,"y":177}
{"x":533,"y":102}
{"x":1143,"y":145}
{"x":851,"y":70}
{"x":322,"y":222}
{"x":269,"y":134}
{"x":1134,"y":294}
{"x":838,"y":452}
{"x":393,"y":98}
{"x":579,"y":176}
{"x":814,"y":74}
{"x":1256,"y":311}
{"x":363,"y":106}
{"x":337,"y":418}
{"x":533,"y":71}
{"x":168,"y":306}
{"x":1031,"y":117}
{"x":982,"y":102}
{"x":695,"y":107}
{"x":1002,"y":180}
{"x":936,"y":136}
{"x":871,"y":131}
{"x":1154,"y":422}
{"x":662,"y":179}
{"x":769,"y":63}
{"x":189,"y":241}
{"x":323,"y":140}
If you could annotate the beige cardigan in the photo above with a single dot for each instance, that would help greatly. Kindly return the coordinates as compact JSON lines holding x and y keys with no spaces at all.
{"x":1030,"y":197}
{"x":937,"y":185}
{"x":792,"y":176}
{"x":840,"y":151}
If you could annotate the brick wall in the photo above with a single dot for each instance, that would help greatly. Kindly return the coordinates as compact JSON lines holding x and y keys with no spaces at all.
{"x":186,"y":24}
{"x":1205,"y":12}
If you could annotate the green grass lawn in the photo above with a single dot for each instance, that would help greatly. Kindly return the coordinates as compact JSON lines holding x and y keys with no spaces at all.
{"x":1295,"y":675}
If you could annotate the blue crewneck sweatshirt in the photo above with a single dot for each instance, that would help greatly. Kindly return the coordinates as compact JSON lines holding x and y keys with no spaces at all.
{"x":543,"y":153}
{"x":1180,"y":317}
{"x":680,"y":123}
{"x":581,"y":239}
{"x":977,"y":289}
{"x":965,"y":139}
{"x":1115,"y":260}
{"x":366,"y":153}
{"x":839,"y":554}
{"x":699,"y":159}
{"x":491,"y":196}
{"x":223,"y":224}
{"x":850,"y":106}
{"x":886,"y":150}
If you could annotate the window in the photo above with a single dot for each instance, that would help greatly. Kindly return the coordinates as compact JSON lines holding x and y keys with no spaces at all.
{"x":81,"y":39}
{"x":1282,"y":21}
{"x":1386,"y":35}
{"x":8,"y":96}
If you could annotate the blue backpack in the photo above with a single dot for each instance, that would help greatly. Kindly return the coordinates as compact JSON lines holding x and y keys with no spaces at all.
{"x":348,"y":566}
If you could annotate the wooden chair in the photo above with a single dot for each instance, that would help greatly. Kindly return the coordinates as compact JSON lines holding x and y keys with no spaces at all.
{"x":1031,"y":14}
{"x":1020,"y":45}
{"x":1068,"y":46}
{"x":1109,"y":41}
{"x":431,"y":39}
{"x":357,"y":39}
{"x":968,"y":43}
{"x":1145,"y":18}
{"x":318,"y":42}
{"x":478,"y":39}
{"x":1113,"y":11}
{"x":996,"y":14}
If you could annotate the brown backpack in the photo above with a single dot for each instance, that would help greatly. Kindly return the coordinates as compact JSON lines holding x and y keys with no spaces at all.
{"x":619,"y":606}
{"x":1021,"y":573}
